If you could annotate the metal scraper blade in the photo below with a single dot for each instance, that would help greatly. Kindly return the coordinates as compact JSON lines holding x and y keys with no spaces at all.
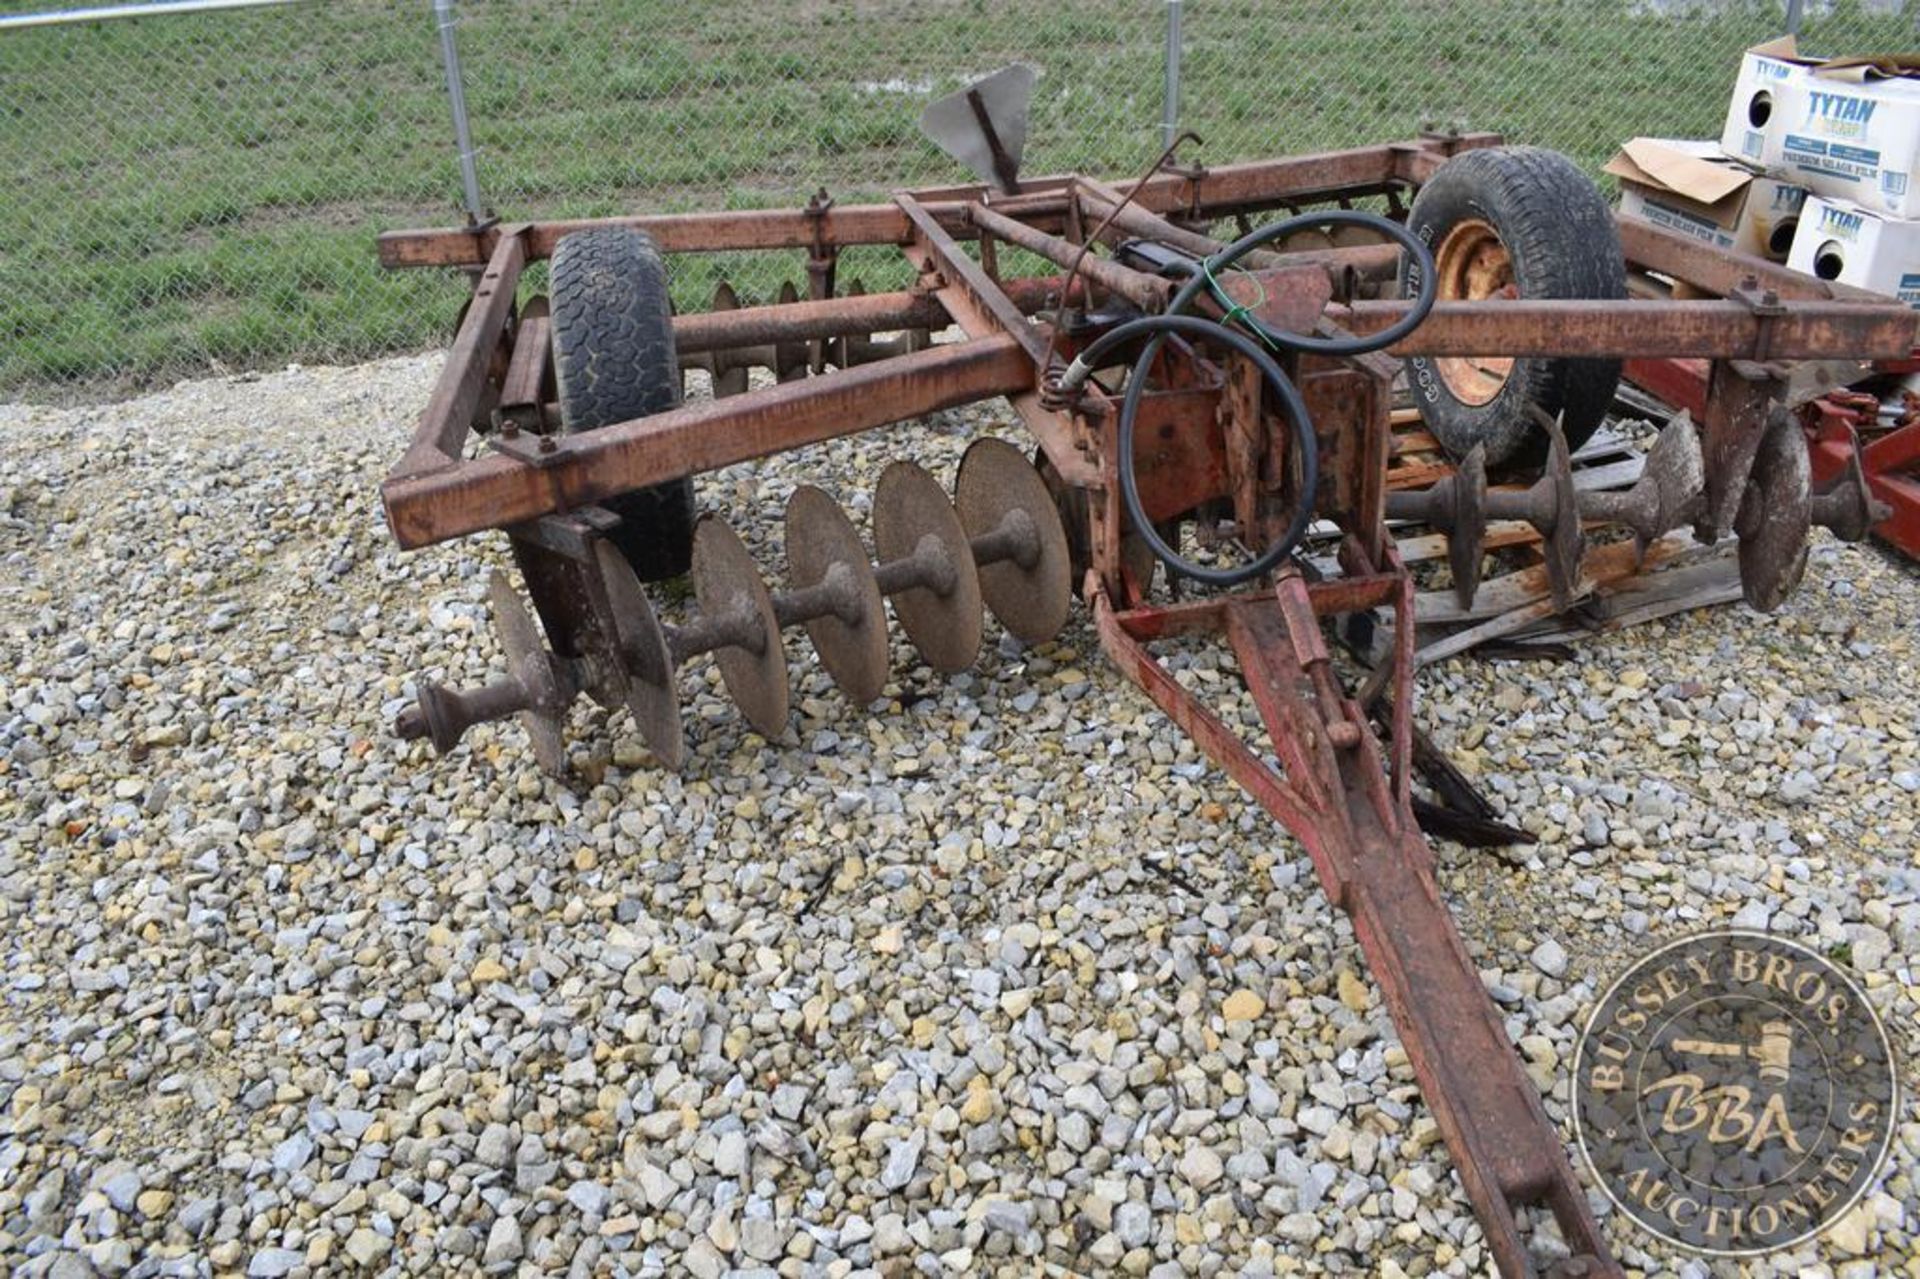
{"x":984,"y":126}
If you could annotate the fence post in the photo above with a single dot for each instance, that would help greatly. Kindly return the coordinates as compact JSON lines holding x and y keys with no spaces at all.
{"x":1170,"y":103}
{"x":457,"y":99}
{"x":1793,"y":17}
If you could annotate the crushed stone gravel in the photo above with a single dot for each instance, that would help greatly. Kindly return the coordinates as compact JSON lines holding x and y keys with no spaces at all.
{"x":996,"y":976}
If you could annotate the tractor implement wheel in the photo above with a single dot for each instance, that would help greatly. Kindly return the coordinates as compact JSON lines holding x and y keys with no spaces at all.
{"x":614,"y":361}
{"x":1513,"y":222}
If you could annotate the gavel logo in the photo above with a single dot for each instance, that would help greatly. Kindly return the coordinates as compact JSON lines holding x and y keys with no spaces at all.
{"x":1735,"y":1093}
{"x":1774,"y":1051}
{"x":1730,"y":1113}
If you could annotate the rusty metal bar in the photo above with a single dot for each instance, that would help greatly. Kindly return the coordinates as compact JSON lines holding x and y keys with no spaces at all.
{"x":449,"y":412}
{"x":946,"y":257}
{"x":1105,"y":203}
{"x":1102,"y":203}
{"x":1333,"y":596}
{"x":1149,"y":292}
{"x":1206,"y":193}
{"x":522,"y":388}
{"x":794,"y":321}
{"x":577,"y":470}
{"x":1725,"y":330}
{"x":840,"y":317}
{"x":981,"y":307}
{"x":1221,"y":744}
{"x":1718,"y":270}
{"x":674,"y":232}
{"x":1375,"y":864}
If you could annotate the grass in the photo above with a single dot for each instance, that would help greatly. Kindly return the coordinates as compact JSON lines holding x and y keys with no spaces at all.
{"x":203,"y":191}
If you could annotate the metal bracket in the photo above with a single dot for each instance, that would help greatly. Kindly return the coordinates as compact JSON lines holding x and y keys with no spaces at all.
{"x":1194,"y":175}
{"x":824,"y":255}
{"x":522,"y":446}
{"x":572,"y":534}
{"x":821,"y":264}
{"x":1766,"y":307}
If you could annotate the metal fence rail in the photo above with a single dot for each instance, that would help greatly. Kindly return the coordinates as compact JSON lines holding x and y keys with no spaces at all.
{"x":200,"y":190}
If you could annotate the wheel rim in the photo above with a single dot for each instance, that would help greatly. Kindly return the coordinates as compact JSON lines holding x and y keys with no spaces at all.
{"x":1473,"y":265}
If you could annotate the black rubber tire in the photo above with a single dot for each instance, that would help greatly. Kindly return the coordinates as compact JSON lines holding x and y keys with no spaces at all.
{"x":613,"y":361}
{"x":1559,"y":234}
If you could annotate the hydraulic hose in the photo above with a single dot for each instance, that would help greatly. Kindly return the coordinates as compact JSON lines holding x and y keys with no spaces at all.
{"x":1173,"y":320}
{"x":1423,"y":273}
{"x":1277,"y":381}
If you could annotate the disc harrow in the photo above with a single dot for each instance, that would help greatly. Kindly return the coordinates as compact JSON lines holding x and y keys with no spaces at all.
{"x":1170,"y":382}
{"x":1002,"y":548}
{"x":1776,"y":513}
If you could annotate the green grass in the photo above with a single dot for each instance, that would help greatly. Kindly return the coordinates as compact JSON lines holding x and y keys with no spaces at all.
{"x":199,"y":192}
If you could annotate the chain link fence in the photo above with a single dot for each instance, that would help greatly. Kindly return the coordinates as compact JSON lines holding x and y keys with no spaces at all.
{"x":197,"y":192}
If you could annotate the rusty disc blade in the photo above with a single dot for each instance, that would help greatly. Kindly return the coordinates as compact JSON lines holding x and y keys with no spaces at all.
{"x":789,"y":358}
{"x":1847,"y":506}
{"x":995,"y":483}
{"x":528,"y":660}
{"x":1138,"y":560}
{"x":1466,"y":540}
{"x":643,"y":660}
{"x":1775,"y":516}
{"x":727,"y":583}
{"x":1565,"y":546}
{"x":1677,"y":468}
{"x":1070,"y":504}
{"x":432,"y":716}
{"x":822,"y":540}
{"x":731,"y":380}
{"x":909,"y":506}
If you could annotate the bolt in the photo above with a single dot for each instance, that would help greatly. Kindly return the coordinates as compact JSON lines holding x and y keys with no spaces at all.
{"x":547,"y":444}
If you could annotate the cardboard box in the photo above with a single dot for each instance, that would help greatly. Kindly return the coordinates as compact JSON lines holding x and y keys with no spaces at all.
{"x":1756,"y":117}
{"x":1691,"y":188}
{"x":1842,"y":127}
{"x":1841,"y":241}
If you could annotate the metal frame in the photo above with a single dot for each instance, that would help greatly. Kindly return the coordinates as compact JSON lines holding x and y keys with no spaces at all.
{"x":1204,"y":438}
{"x":1890,"y":460}
{"x":112,"y":12}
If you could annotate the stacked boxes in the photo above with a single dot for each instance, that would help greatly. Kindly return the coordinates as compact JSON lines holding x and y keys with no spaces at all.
{"x":1691,"y":188}
{"x":1848,"y":131}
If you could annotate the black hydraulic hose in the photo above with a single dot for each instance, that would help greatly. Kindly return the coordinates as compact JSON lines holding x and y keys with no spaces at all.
{"x":1429,"y":290}
{"x":1277,"y":381}
{"x":1201,"y":276}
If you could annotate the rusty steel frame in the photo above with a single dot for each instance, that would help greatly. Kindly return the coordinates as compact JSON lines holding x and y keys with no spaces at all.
{"x":1353,"y":812}
{"x":1201,"y":436}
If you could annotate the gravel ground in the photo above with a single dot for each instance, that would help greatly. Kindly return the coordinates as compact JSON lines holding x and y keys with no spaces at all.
{"x":999,"y":978}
